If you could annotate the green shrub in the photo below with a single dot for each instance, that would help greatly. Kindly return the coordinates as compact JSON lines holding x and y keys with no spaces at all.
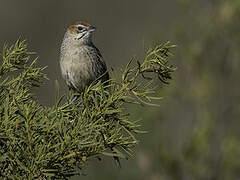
{"x":42,"y":142}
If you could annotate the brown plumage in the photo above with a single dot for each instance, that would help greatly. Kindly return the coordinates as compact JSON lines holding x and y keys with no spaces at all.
{"x":80,"y":61}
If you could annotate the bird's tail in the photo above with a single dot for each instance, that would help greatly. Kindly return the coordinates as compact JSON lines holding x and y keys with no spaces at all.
{"x":117,"y":161}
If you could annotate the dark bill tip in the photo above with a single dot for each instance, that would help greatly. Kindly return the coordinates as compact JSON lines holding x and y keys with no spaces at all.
{"x":92,"y":28}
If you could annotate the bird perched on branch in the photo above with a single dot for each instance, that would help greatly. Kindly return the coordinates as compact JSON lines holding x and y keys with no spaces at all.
{"x":81,"y":62}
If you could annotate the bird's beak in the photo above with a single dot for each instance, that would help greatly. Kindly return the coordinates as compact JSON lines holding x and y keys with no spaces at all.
{"x":91,"y":28}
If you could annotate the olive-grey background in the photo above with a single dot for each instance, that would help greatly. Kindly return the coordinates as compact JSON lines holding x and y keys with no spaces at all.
{"x":122,"y":26}
{"x":194,"y":134}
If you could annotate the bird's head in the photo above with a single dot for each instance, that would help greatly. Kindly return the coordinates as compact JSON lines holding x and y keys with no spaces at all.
{"x":80,"y":32}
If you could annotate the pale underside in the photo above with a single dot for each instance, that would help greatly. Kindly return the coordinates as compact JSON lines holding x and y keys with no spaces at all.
{"x":81,"y":67}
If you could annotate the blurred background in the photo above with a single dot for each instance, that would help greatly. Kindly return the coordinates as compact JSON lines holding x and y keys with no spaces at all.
{"x":194,"y":134}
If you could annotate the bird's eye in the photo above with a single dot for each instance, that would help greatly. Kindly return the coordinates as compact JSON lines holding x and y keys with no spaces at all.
{"x":80,"y":28}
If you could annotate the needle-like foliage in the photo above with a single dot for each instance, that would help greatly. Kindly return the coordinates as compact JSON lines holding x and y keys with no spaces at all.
{"x":38,"y":142}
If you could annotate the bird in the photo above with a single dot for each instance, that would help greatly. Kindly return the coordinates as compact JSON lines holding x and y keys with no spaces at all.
{"x":81,"y":62}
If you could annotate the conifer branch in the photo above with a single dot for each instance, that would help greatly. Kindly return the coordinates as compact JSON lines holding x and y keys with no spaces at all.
{"x":39,"y":142}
